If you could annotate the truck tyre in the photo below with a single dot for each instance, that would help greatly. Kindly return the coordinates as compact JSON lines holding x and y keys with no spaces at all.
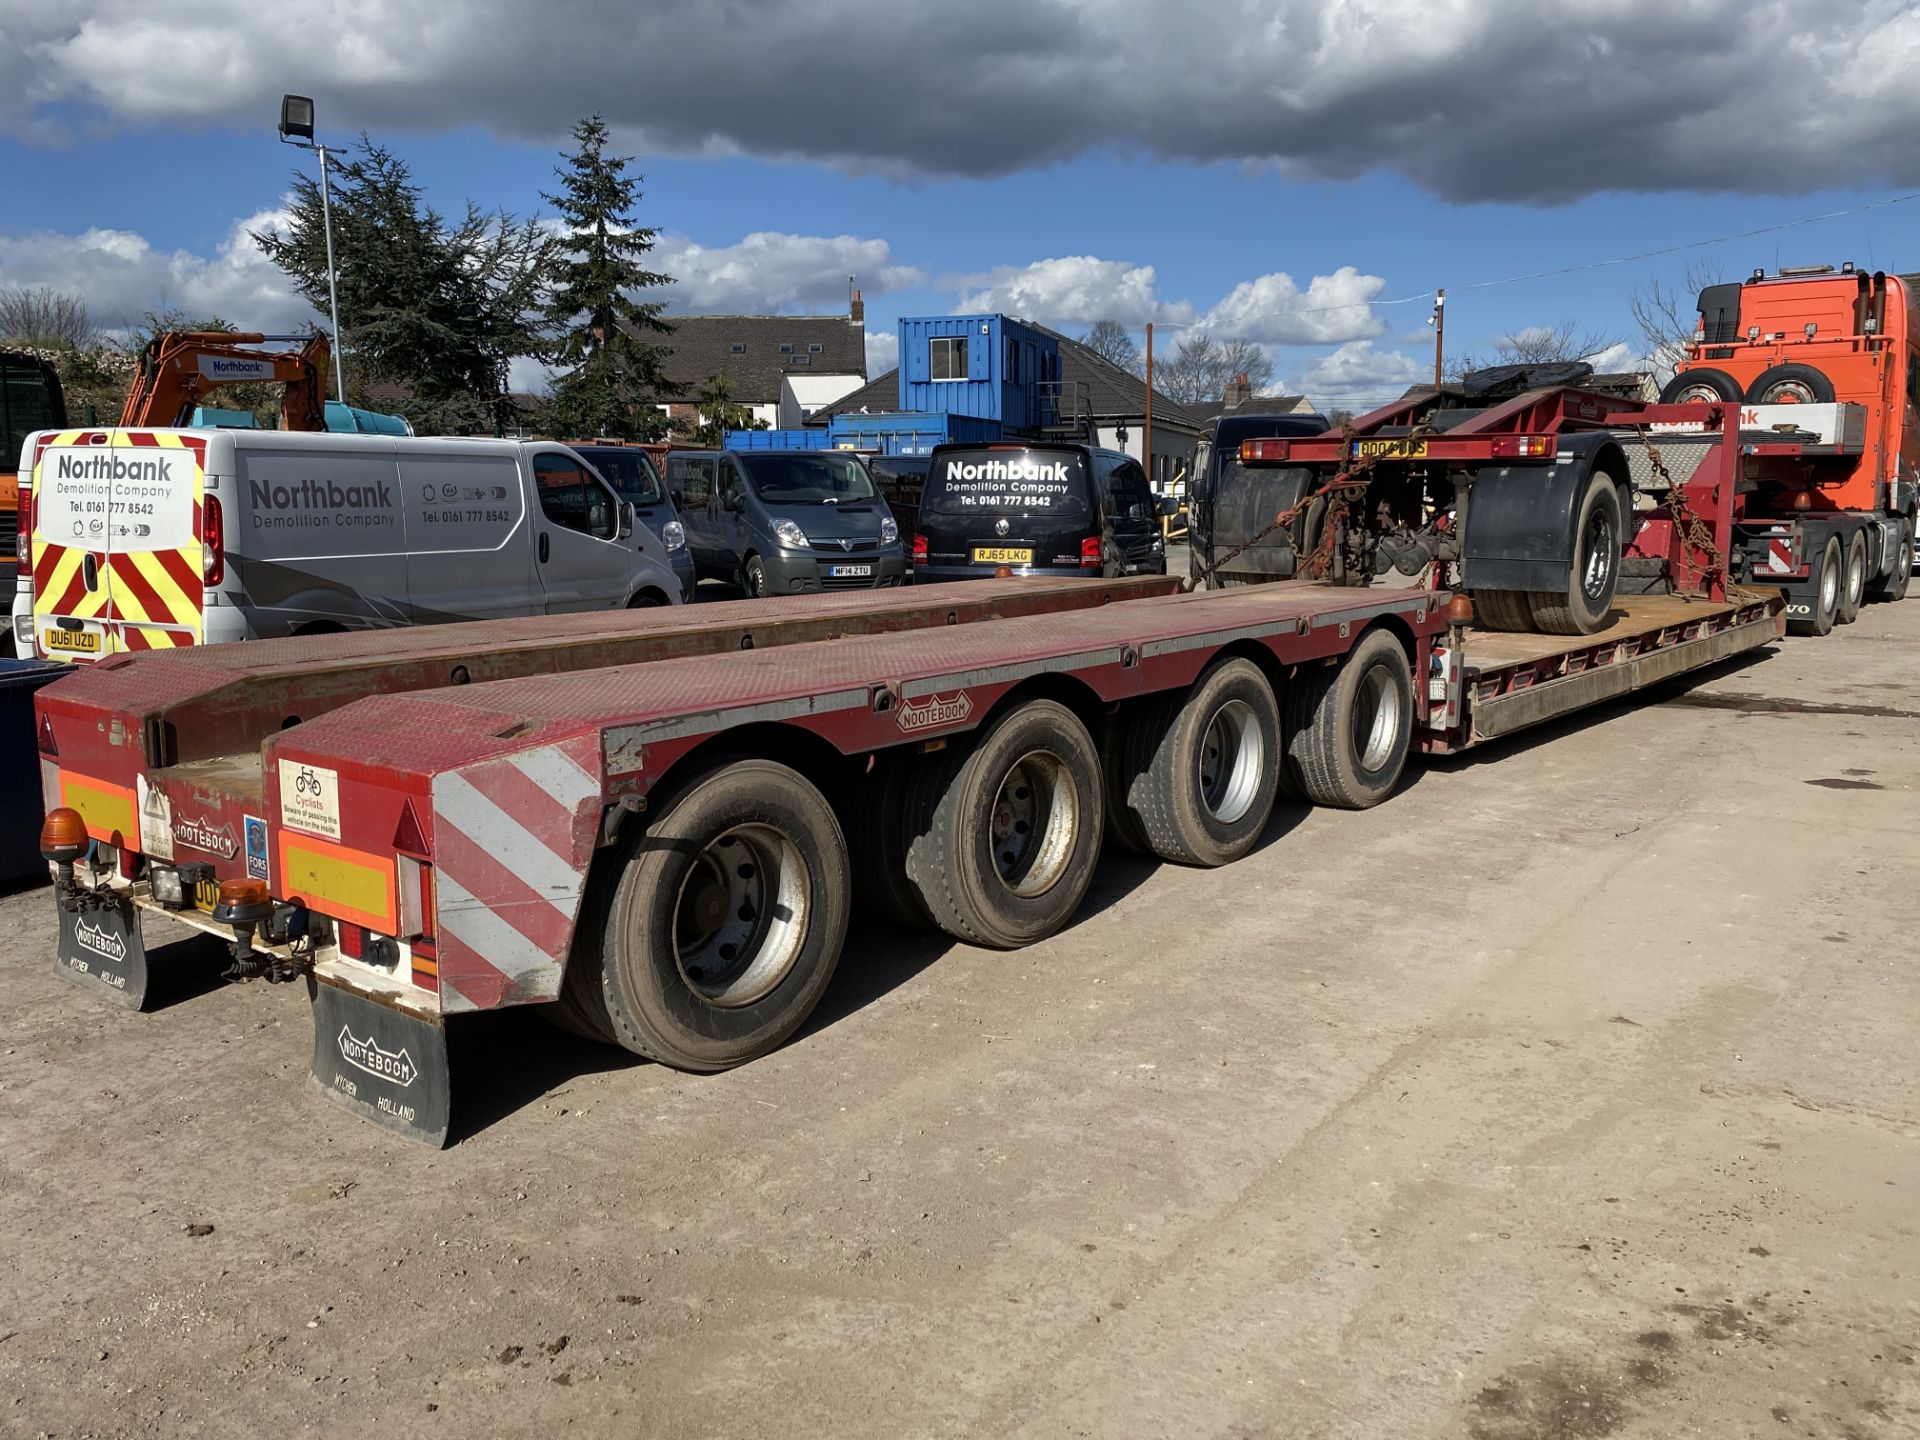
{"x":1790,"y":384}
{"x":727,"y":918}
{"x":753,"y":577}
{"x":1502,"y":609}
{"x":1006,"y":832}
{"x":1853,"y":584}
{"x":1900,"y":565}
{"x":1583,"y":606}
{"x":1828,"y":577}
{"x":1691,"y":387}
{"x":1123,"y":828}
{"x":1349,"y":727}
{"x":878,"y":847}
{"x":1202,"y":767}
{"x":582,"y":1007}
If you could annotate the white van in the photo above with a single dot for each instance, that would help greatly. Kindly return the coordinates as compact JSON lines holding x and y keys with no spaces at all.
{"x":148,"y":539}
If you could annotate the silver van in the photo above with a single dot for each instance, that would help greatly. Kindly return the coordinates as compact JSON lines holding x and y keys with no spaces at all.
{"x":776,"y":522}
{"x":150,"y":539}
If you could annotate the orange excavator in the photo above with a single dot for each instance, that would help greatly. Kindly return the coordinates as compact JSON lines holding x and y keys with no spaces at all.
{"x":179,"y":367}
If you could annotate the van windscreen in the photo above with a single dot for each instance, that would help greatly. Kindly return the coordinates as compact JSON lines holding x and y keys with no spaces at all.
{"x":629,"y":473}
{"x":808,"y":479}
{"x":1007,"y":482}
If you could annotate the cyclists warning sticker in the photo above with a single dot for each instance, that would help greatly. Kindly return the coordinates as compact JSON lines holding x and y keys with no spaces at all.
{"x":310,"y":798}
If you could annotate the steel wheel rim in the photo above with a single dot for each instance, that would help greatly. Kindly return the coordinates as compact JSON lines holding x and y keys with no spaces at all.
{"x":1376,"y":719}
{"x":1856,"y":574}
{"x":740,"y":919}
{"x":1233,"y":754}
{"x":1599,"y":567}
{"x":1033,"y":824}
{"x":1830,"y":582}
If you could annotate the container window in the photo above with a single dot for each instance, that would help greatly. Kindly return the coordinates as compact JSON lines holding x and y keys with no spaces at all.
{"x":947,"y":357}
{"x":786,"y":349}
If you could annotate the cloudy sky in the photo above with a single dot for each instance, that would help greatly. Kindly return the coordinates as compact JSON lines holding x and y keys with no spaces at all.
{"x":1300,"y":174}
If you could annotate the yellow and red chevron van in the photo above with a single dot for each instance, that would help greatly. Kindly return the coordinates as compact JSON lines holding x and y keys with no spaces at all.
{"x":150,"y":539}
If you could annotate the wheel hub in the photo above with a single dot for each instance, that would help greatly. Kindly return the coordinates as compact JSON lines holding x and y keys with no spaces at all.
{"x":1232,"y":756}
{"x":740,"y":920}
{"x":1033,"y":823}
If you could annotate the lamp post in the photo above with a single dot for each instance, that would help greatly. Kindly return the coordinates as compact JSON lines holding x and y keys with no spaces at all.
{"x":296,"y":128}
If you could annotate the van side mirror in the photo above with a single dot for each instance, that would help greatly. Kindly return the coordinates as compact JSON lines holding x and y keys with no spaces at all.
{"x":1169,"y":505}
{"x":626,"y":519}
{"x":733,"y":501}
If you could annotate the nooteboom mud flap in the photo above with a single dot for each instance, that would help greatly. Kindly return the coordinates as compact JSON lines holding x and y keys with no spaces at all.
{"x":384,"y":1064}
{"x":101,"y":949}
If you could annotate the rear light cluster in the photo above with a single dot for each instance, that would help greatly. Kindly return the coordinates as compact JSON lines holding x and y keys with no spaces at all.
{"x":1523,"y":447}
{"x":1265,"y":452}
{"x":213,"y":554}
{"x":1090,"y":553}
{"x":919,"y":549}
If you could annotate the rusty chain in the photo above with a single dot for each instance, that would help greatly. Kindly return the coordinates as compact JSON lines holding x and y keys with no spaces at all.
{"x":1695,"y":535}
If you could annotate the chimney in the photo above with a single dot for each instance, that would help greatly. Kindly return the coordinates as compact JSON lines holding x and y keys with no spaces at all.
{"x":1239,"y":391}
{"x":857,"y":310}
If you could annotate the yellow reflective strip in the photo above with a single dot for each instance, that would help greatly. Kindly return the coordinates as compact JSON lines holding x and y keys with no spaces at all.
{"x":63,"y":570}
{"x":179,"y":608}
{"x":335,"y":880}
{"x":107,"y":809}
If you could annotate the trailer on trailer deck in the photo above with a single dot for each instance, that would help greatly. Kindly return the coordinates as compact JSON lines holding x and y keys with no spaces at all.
{"x":654,"y":825}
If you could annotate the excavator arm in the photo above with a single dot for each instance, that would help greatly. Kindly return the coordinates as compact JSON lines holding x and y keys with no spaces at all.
{"x":180,"y":367}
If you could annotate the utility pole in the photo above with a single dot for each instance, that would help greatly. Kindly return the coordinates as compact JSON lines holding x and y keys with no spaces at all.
{"x":1146,"y":438}
{"x":1439,"y":322}
{"x":296,"y":128}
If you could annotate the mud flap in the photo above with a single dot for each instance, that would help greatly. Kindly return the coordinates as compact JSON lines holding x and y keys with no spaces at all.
{"x":101,"y":949}
{"x":385,"y":1065}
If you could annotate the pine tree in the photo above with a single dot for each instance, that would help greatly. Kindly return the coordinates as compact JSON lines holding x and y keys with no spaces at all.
{"x":435,"y":313}
{"x":613,"y":381}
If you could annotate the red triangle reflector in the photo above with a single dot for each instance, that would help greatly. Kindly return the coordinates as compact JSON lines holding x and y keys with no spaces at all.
{"x":407,"y":836}
{"x":47,"y":745}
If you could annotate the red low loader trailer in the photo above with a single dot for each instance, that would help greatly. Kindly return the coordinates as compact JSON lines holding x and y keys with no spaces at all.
{"x":655,"y":826}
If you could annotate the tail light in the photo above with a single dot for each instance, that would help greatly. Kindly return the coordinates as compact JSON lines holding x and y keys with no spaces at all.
{"x":1265,"y":452}
{"x":353,"y":940}
{"x":23,"y":541}
{"x":213,"y":541}
{"x":1524,"y":447}
{"x":919,"y":549}
{"x":1090,"y":553}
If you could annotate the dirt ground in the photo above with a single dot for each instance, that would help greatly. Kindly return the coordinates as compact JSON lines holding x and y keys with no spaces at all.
{"x":1571,"y":1093}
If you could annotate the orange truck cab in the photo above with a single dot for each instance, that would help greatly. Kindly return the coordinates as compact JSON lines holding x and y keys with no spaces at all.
{"x":1828,"y":358}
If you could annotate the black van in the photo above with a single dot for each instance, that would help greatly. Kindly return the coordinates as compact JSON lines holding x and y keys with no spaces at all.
{"x":900,"y":479}
{"x":1228,"y":504}
{"x":1038,"y":508}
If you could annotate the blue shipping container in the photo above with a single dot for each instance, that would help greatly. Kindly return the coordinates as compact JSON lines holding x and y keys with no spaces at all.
{"x":908,"y":432}
{"x":990,"y":367}
{"x":777,"y":440}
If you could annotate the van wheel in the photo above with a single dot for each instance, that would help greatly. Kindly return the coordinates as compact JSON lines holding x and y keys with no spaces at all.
{"x":753,"y":577}
{"x":727,"y":920}
{"x":1006,"y":832}
{"x":1349,"y":728}
{"x":1853,"y":586}
{"x":1202,"y":772}
{"x":646,"y":600}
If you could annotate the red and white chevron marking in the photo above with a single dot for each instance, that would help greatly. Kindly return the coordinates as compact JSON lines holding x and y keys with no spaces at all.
{"x":1780,"y":556}
{"x":512,"y":840}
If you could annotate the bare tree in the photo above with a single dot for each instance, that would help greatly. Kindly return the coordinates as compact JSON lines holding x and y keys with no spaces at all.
{"x":43,"y":316}
{"x":1667,"y":316}
{"x":1201,"y":367}
{"x":1553,"y":344}
{"x":1109,"y":340}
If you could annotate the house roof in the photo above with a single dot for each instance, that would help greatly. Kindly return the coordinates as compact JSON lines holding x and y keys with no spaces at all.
{"x":701,"y":346}
{"x":1112,"y":393}
{"x":1267,"y":405}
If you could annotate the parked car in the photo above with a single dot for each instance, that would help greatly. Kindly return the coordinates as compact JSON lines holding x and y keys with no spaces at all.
{"x":1223,"y":500}
{"x":776,"y":522}
{"x":154,"y":538}
{"x":1039,"y":509}
{"x":629,"y":469}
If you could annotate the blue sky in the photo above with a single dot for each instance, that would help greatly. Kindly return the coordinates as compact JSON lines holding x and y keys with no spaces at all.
{"x":942,"y":181}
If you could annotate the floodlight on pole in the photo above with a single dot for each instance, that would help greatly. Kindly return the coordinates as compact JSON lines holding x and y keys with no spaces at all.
{"x":296,"y":128}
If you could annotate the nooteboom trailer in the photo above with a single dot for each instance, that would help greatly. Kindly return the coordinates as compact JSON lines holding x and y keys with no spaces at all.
{"x":654,"y":826}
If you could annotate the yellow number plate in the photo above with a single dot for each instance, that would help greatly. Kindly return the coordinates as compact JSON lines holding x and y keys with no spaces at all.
{"x":1389,"y":449}
{"x":1001,"y":555}
{"x":77,"y":642}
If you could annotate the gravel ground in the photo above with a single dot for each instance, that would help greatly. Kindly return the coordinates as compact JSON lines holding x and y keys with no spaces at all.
{"x":1571,"y":1093}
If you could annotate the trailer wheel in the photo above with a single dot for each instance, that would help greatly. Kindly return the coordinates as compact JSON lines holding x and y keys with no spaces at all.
{"x":1900,"y":565}
{"x":727,"y":919}
{"x":878,"y":847}
{"x":1704,"y":384}
{"x":1583,"y":606}
{"x":1853,"y":586}
{"x":1349,"y":728}
{"x":1202,"y":769}
{"x":1006,"y":832}
{"x":1502,"y":609}
{"x":1790,"y":384}
{"x":1827,"y":580}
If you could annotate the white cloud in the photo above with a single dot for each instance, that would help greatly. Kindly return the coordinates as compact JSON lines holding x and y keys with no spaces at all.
{"x":769,"y":272}
{"x":1072,"y":291}
{"x":1358,"y":377}
{"x":121,"y":276}
{"x":1528,"y":100}
{"x":1274,"y":311}
{"x":883,"y":352}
